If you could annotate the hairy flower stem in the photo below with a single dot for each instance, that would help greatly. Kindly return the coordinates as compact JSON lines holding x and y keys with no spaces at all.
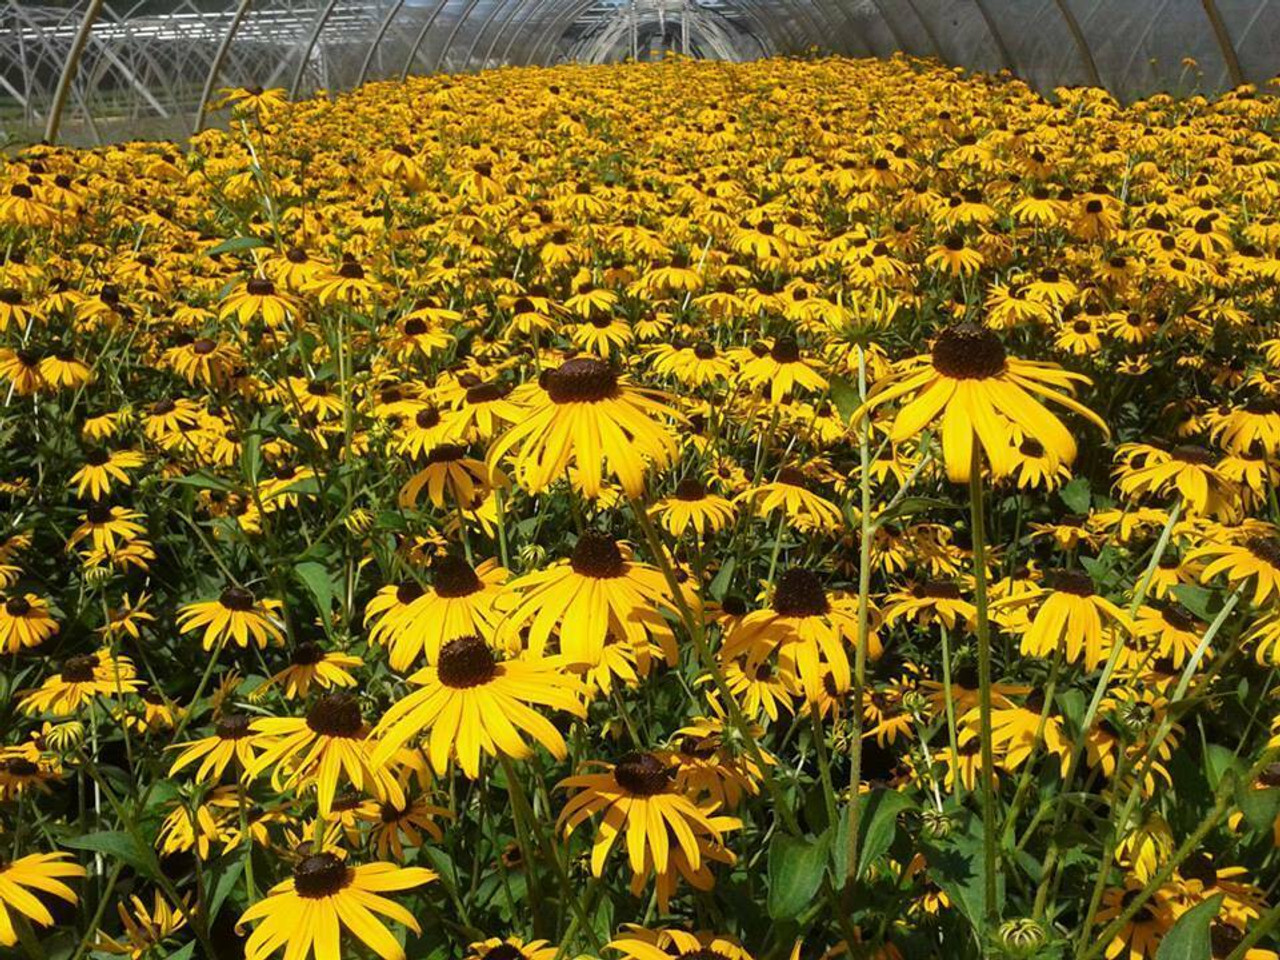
{"x":697,"y":632}
{"x":1077,"y":751}
{"x":983,"y":633}
{"x":864,"y":628}
{"x":523,"y":811}
{"x":1090,"y":947}
{"x":949,"y":699}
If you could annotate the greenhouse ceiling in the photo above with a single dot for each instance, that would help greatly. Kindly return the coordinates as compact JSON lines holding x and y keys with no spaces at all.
{"x":95,"y":70}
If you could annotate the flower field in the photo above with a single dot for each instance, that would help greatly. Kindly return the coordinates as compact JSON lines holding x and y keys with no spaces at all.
{"x":679,"y":511}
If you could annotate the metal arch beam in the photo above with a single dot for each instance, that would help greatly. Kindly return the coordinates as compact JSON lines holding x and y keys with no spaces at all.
{"x":69,"y":69}
{"x":1229,"y":55}
{"x":1082,"y":45}
{"x":219,"y":58}
{"x":927,"y":27}
{"x":893,"y":27}
{"x":851,"y":30}
{"x":1002,"y":48}
{"x":422,"y":35}
{"x":453,"y":34}
{"x":513,"y":11}
{"x":314,"y":36}
{"x":377,"y":40}
{"x":488,"y":22}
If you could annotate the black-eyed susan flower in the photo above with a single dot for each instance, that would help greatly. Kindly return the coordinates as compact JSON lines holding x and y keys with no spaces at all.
{"x":80,"y":681}
{"x":470,"y":703}
{"x":232,"y":739}
{"x":1071,"y":618}
{"x":461,"y":601}
{"x":21,"y":883}
{"x":583,"y":413}
{"x":237,"y":615}
{"x":102,"y":468}
{"x":327,"y":747}
{"x":635,"y":942}
{"x":692,"y":506}
{"x":600,"y":590}
{"x":976,"y":389}
{"x":308,"y":912}
{"x":25,"y":621}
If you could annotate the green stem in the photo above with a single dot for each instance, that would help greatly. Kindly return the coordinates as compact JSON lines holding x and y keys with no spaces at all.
{"x":983,"y":631}
{"x":949,"y":698}
{"x":522,"y":810}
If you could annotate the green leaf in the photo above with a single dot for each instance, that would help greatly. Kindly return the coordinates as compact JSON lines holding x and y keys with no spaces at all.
{"x":1076,"y":495}
{"x":956,"y":865}
{"x":845,"y":396}
{"x":1260,"y":807}
{"x":912,"y":505}
{"x":1188,"y":939}
{"x":878,"y":824}
{"x":225,"y":883}
{"x":315,"y":577}
{"x":723,"y":578}
{"x":236,"y":245}
{"x":796,"y":865}
{"x":1217,"y":761}
{"x":183,"y":953}
{"x":1196,"y":599}
{"x":205,"y":481}
{"x":114,"y":843}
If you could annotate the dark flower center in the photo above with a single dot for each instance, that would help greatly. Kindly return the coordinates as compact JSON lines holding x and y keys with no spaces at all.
{"x":232,"y":726}
{"x":99,"y":513}
{"x":17,"y":606}
{"x":690,"y":490}
{"x":203,"y":347}
{"x":597,"y":555}
{"x":260,"y":287}
{"x":466,"y":662}
{"x":96,"y":458}
{"x":700,"y":748}
{"x":1265,"y":548}
{"x":785,"y":350}
{"x":1070,"y":581}
{"x":642,"y":774}
{"x":336,"y":715}
{"x":408,"y":592}
{"x":236,"y":598}
{"x":1223,"y":940}
{"x":351,"y":271}
{"x":427,"y":418}
{"x":453,"y":577}
{"x":20,"y":767}
{"x":703,"y":953}
{"x":792,"y":477}
{"x":320,"y":875}
{"x":487,"y":393}
{"x":1200,"y":867}
{"x":1188,"y":453}
{"x":306,"y":654}
{"x":581,"y":380}
{"x":704,"y":350}
{"x":734,"y":606}
{"x":967,"y":351}
{"x":1031,"y":447}
{"x":415,"y":327}
{"x":79,"y":669}
{"x":939,"y":590}
{"x":1179,"y":617}
{"x":799,"y":593}
{"x":504,"y":951}
{"x":446,"y":453}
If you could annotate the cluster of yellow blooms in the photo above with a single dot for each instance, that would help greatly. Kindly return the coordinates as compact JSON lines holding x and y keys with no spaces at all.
{"x":723,"y":462}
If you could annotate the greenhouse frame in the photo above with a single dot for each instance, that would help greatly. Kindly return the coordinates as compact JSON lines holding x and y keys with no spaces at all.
{"x":87,"y":69}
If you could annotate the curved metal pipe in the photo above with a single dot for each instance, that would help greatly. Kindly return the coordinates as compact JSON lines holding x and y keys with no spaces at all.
{"x":377,"y":39}
{"x":488,"y":22}
{"x":311,"y":45}
{"x":1228,"y":49}
{"x":928,"y":29}
{"x":216,"y":67}
{"x":422,"y":35}
{"x":893,"y":27}
{"x":69,"y":69}
{"x":1082,"y":45}
{"x":513,"y":11}
{"x":1005,"y":57}
{"x":444,"y":50}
